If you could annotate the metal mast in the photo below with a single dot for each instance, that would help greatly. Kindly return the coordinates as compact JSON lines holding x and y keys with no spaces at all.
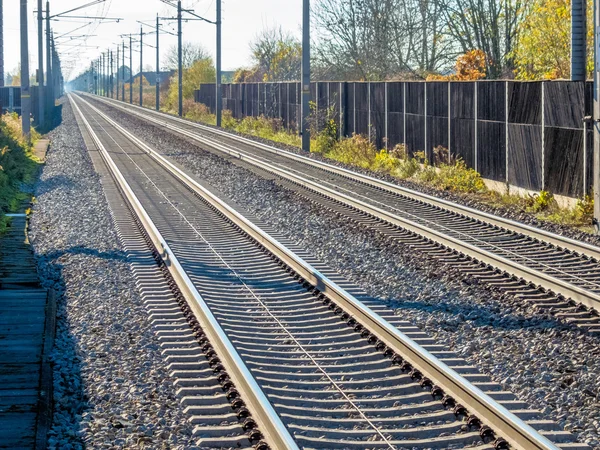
{"x":179,"y":59}
{"x":25,"y":95}
{"x":219,"y":94}
{"x":305,"y":75}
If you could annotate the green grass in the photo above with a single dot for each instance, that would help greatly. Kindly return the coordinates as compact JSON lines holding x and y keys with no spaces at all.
{"x":18,"y":167}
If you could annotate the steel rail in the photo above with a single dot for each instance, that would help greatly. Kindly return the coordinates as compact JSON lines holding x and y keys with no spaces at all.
{"x":506,"y":424}
{"x":276,"y":433}
{"x":537,"y":277}
{"x":507,"y":224}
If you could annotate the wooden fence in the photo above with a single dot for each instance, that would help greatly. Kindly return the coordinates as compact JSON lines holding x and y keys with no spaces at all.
{"x":527,"y":134}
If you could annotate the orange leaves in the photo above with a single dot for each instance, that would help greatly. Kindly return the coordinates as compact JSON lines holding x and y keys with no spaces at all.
{"x":469,"y":67}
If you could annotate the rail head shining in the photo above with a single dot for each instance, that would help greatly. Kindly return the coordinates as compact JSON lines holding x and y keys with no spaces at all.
{"x":564,"y":242}
{"x":506,"y":424}
{"x":276,"y":433}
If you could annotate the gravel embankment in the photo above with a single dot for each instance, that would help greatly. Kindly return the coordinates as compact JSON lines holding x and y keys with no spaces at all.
{"x":111,"y":385}
{"x":551,"y":366}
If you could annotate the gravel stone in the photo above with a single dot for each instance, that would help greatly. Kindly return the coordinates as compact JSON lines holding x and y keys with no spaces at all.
{"x":111,"y":384}
{"x":551,"y":366}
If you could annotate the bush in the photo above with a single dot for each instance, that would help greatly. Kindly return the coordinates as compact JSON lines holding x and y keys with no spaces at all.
{"x":198,"y":112}
{"x":385,"y":162}
{"x":542,"y":202}
{"x":460,"y":178}
{"x":17,"y":165}
{"x":357,"y":150}
{"x":584,"y":209}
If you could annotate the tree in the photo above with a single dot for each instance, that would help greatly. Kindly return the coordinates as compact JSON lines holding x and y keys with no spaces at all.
{"x":380,"y":39}
{"x":277,"y":56}
{"x":201,"y":71}
{"x":489,"y":25}
{"x":244,"y":75}
{"x":469,"y":67}
{"x":15,"y":76}
{"x":543,"y":47}
{"x":190,"y":53}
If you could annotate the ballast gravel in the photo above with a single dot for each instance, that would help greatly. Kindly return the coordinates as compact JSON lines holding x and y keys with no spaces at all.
{"x":111,"y":384}
{"x":551,"y":366}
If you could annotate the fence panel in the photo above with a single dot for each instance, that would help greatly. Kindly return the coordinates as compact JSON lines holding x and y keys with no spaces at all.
{"x":525,"y":134}
{"x":529,"y":134}
{"x":462,"y":121}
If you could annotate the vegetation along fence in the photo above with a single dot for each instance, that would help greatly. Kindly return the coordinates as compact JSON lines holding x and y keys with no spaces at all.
{"x":527,"y":134}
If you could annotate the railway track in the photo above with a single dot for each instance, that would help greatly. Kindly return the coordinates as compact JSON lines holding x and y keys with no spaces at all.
{"x":302,"y":361}
{"x":556,"y":273}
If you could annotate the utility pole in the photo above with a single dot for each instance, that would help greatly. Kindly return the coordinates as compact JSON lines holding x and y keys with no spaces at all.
{"x":25,"y":96}
{"x":123,"y":65}
{"x":117,"y":93}
{"x":305,"y":75}
{"x":130,"y":69}
{"x":578,"y":40}
{"x":179,"y":59}
{"x":50,"y":89}
{"x":157,"y":81}
{"x":105,"y":57}
{"x":219,"y":92}
{"x":596,"y":118}
{"x":110,"y":79}
{"x":40,"y":20}
{"x":103,"y":77}
{"x":1,"y":44}
{"x":141,"y":62}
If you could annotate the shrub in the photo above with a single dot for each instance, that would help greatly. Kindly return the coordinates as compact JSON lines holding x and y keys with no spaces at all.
{"x":357,"y":150}
{"x":228,"y":121}
{"x":198,"y":112}
{"x":407,"y":168}
{"x":441,"y":156}
{"x":17,"y":164}
{"x":458,"y":177}
{"x":584,"y":209}
{"x":385,"y":162}
{"x":326,"y":139}
{"x":542,"y":202}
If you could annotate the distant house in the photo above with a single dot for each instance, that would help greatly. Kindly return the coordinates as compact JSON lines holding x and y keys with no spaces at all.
{"x":151,"y":77}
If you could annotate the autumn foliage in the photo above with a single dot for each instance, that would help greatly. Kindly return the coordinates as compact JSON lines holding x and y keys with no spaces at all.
{"x":543,"y":46}
{"x":469,"y":67}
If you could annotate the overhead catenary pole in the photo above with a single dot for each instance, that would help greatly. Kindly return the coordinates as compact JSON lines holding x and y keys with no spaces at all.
{"x":123,"y":68}
{"x":130,"y":69}
{"x":179,"y":61}
{"x":578,"y":40}
{"x":40,"y":23}
{"x":305,"y":75}
{"x":141,"y":62}
{"x":103,"y":76}
{"x":110,"y":79}
{"x":117,"y":90}
{"x":219,"y":93}
{"x":25,"y":95}
{"x":157,"y":80}
{"x":50,"y":86}
{"x":1,"y":44}
{"x":596,"y":118}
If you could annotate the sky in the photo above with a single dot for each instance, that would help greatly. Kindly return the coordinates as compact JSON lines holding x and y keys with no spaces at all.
{"x":242,"y":21}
